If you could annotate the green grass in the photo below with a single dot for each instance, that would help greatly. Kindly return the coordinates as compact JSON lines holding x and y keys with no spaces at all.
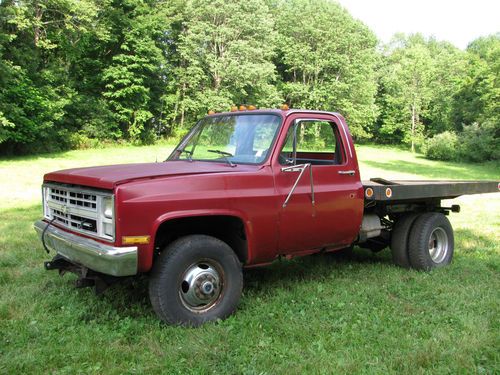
{"x":317,"y":314}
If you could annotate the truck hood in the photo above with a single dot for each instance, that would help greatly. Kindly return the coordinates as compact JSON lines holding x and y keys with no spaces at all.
{"x":109,"y":176}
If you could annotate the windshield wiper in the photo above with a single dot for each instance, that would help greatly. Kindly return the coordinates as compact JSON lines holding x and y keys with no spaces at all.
{"x":225,"y":155}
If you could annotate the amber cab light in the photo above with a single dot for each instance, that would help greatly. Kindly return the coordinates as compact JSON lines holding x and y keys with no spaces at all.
{"x":243,"y":108}
{"x":284,"y":107}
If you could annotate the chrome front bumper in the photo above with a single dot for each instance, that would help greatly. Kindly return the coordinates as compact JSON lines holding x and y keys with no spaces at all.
{"x":110,"y":260}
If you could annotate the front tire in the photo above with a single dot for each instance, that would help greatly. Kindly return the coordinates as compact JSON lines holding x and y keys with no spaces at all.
{"x":431,"y":242}
{"x":195,"y":279}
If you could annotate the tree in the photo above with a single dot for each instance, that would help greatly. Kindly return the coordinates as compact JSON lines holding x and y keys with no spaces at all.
{"x":140,"y":69}
{"x":225,"y":51}
{"x":33,"y":88}
{"x":326,"y":61}
{"x":450,"y":68}
{"x":479,"y":97}
{"x":406,"y":85}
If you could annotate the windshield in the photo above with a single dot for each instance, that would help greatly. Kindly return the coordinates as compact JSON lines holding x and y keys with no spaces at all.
{"x":234,"y":139}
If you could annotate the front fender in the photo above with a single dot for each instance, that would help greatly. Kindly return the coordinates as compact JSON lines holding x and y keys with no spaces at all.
{"x":147,"y":253}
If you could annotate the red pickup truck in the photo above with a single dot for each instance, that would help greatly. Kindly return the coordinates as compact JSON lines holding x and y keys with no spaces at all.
{"x":242,"y":189}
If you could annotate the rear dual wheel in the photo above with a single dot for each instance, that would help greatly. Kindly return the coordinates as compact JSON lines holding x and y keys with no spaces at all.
{"x":422,"y":241}
{"x":400,"y":240}
{"x":431,"y":242}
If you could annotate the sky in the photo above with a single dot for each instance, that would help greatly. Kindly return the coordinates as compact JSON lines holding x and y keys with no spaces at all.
{"x":458,"y":22}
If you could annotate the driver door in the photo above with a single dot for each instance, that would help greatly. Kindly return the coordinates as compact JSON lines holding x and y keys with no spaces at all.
{"x":318,"y":185}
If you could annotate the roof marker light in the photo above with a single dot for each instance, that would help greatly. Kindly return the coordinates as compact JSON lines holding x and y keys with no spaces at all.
{"x":251,"y":107}
{"x":211,"y":112}
{"x":284,"y":107}
{"x":243,"y":108}
{"x":234,"y":108}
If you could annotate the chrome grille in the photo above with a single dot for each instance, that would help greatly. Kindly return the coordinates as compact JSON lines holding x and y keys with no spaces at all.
{"x":73,"y":198}
{"x":75,"y":222}
{"x":78,"y":209}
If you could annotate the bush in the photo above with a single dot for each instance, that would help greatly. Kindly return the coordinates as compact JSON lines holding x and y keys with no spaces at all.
{"x":82,"y":141}
{"x":477,"y":143}
{"x":480,"y":142}
{"x":443,"y":146}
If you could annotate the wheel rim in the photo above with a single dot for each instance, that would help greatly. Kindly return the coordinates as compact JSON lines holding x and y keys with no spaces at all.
{"x":438,"y":245}
{"x":201,"y":286}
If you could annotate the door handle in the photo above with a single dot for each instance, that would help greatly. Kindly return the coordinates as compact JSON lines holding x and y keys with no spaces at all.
{"x":351,"y":172}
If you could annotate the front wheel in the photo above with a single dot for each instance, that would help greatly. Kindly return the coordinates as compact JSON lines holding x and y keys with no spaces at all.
{"x":196,"y":279}
{"x":431,"y":242}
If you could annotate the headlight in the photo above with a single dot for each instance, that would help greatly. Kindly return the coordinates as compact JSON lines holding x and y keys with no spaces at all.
{"x":108,"y":208}
{"x":108,"y":213}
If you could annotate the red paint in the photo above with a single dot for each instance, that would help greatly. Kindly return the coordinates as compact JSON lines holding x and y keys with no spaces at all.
{"x":146,"y":195}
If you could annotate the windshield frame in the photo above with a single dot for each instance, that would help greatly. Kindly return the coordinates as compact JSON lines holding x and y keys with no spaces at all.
{"x":175,"y":154}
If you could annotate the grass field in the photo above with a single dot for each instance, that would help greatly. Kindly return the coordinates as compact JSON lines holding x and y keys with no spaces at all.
{"x":317,"y":314}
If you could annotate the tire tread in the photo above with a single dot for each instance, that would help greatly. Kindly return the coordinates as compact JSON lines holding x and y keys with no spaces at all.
{"x":419,"y":241}
{"x":168,"y":257}
{"x":400,"y":239}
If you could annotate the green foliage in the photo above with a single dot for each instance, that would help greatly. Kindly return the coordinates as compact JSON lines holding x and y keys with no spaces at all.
{"x":480,"y":142}
{"x":476,"y":143}
{"x":136,"y":72}
{"x":74,"y":73}
{"x":479,"y":97}
{"x":443,"y":146}
{"x":225,"y":50}
{"x":326,"y":61}
{"x":406,"y":80}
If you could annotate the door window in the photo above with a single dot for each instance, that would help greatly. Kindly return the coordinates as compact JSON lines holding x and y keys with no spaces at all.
{"x":312,"y":141}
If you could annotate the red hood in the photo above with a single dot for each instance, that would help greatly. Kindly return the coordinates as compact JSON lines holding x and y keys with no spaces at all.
{"x":107,"y":177}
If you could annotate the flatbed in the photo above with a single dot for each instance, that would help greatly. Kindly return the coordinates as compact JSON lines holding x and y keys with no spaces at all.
{"x":410,"y":190}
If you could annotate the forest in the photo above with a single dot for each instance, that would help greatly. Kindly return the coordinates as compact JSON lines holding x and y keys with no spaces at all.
{"x":82,"y":73}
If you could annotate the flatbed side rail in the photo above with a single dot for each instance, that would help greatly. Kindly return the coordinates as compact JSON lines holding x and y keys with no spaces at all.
{"x":404,"y":190}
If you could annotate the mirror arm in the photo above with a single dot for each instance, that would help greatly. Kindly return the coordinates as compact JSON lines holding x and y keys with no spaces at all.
{"x":301,"y":168}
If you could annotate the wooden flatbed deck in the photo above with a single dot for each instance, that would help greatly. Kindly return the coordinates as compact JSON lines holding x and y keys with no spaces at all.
{"x":412,"y":190}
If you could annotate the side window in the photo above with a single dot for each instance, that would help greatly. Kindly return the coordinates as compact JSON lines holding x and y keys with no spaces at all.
{"x":312,"y":141}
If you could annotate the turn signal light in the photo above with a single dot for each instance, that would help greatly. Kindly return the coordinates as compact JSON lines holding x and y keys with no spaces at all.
{"x":135,"y":240}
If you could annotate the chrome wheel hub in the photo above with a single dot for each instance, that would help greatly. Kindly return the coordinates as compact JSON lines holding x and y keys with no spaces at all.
{"x":201,"y":286}
{"x":438,"y":245}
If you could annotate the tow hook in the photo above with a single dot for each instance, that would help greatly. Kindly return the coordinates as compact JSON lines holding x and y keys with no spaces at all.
{"x":86,"y":277}
{"x":59,"y":263}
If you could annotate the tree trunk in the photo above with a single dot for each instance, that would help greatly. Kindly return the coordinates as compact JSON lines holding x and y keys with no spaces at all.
{"x":182,"y":104}
{"x":38,"y":21}
{"x":413,"y":126}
